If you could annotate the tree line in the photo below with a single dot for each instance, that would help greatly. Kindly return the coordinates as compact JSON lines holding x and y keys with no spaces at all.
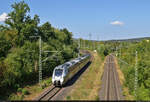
{"x":127,"y":53}
{"x":19,"y":53}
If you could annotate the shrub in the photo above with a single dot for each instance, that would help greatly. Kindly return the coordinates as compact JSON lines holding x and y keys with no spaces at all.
{"x":19,"y":90}
{"x":68,"y":97}
{"x":15,"y":97}
{"x":16,"y":86}
{"x":105,"y":52}
{"x":25,"y":92}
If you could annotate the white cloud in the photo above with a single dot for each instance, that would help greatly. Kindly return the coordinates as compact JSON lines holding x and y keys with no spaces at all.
{"x":117,"y":23}
{"x":3,"y":17}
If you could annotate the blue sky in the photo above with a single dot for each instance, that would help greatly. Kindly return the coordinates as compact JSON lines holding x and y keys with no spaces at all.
{"x":104,"y":19}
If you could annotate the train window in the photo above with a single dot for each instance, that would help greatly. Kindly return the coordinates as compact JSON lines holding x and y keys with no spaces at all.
{"x":66,"y":65}
{"x":58,"y":72}
{"x":66,"y":71}
{"x":73,"y":62}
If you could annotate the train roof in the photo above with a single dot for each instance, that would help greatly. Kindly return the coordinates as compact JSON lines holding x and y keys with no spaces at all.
{"x":72,"y":62}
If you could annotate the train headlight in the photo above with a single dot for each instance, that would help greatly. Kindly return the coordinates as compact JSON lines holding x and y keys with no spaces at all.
{"x":61,"y":80}
{"x":53,"y":79}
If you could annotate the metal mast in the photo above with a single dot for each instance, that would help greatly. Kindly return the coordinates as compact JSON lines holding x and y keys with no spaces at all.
{"x":89,"y":39}
{"x":40,"y":63}
{"x":79,"y":47}
{"x":136,"y":75}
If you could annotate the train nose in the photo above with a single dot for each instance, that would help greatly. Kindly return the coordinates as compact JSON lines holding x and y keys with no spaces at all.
{"x":57,"y":82}
{"x":57,"y":78}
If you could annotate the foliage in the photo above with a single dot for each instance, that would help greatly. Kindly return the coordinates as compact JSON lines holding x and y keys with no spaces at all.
{"x":125,"y":52}
{"x":128,"y":55}
{"x":19,"y":53}
{"x":25,"y":92}
{"x":19,"y":90}
{"x":103,"y":48}
{"x":14,"y":97}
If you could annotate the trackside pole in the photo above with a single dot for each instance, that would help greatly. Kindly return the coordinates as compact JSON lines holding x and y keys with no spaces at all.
{"x":136,"y":75}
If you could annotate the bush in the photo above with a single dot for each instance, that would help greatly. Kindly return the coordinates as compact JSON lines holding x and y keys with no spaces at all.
{"x":14,"y":97}
{"x":16,"y":86}
{"x":68,"y":97}
{"x":25,"y":92}
{"x":48,"y":82}
{"x":105,"y":52}
{"x":43,"y":85}
{"x":19,"y":90}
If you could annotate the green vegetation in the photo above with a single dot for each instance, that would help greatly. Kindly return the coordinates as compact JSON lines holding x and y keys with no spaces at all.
{"x":19,"y":90}
{"x":25,"y":92}
{"x":102,"y":48}
{"x":19,"y":52}
{"x":19,"y":56}
{"x":30,"y":91}
{"x":125,"y":52}
{"x":68,"y":97}
{"x":14,"y":97}
{"x":127,"y":59}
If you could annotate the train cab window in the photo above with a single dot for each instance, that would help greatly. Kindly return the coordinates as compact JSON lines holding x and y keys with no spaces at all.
{"x":58,"y":72}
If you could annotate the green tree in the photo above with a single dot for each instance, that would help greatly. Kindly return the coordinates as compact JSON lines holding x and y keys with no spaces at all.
{"x":47,"y":32}
{"x":20,"y":21}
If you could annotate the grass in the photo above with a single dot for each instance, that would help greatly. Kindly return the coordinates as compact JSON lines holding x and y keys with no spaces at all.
{"x":87,"y":88}
{"x":122,"y":80}
{"x":68,"y":97}
{"x":29,"y":92}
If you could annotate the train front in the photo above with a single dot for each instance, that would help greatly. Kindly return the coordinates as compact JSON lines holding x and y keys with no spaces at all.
{"x":57,"y":78}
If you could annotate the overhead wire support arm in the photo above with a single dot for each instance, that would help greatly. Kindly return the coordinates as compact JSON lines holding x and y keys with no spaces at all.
{"x":52,"y":55}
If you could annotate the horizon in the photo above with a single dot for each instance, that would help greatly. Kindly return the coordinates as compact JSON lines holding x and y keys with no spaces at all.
{"x":118,"y":39}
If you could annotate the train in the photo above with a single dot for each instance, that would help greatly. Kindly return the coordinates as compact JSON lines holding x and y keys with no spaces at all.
{"x":63,"y":73}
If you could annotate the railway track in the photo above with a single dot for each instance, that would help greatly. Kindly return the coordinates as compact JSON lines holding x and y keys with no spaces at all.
{"x":111,"y":87}
{"x":48,"y":94}
{"x":52,"y":91}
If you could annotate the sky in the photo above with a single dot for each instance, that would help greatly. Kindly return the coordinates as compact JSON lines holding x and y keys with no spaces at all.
{"x":103,"y":19}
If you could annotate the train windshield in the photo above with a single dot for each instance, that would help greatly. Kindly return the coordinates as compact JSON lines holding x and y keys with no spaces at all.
{"x":58,"y":72}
